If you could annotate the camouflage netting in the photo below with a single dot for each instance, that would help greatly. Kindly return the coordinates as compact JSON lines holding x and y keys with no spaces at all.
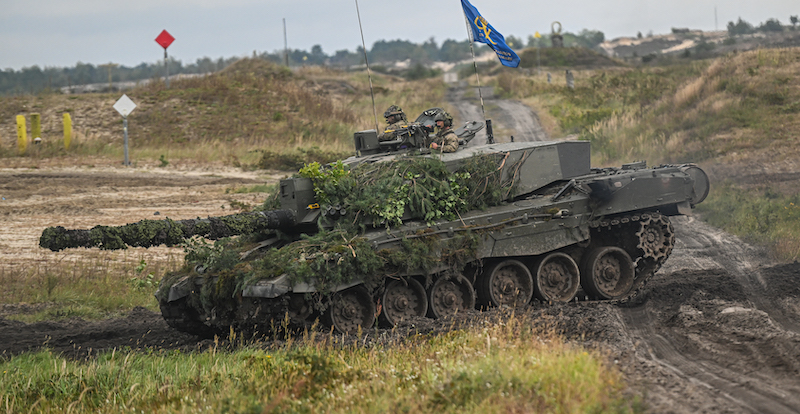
{"x":381,"y":194}
{"x":326,"y":260}
{"x":371,"y":195}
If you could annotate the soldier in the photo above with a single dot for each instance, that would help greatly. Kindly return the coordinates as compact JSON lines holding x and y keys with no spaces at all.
{"x":446,"y":140}
{"x":395,"y":120}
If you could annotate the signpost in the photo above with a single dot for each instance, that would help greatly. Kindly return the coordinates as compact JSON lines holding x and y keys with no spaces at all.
{"x":125,"y":106}
{"x":165,"y":39}
{"x":67,"y":130}
{"x":538,"y":60}
{"x":22,"y":135}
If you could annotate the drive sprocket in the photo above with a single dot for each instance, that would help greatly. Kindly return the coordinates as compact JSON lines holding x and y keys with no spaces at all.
{"x":656,"y":237}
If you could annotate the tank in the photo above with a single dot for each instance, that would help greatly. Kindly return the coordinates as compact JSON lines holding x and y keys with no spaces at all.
{"x":400,"y":231}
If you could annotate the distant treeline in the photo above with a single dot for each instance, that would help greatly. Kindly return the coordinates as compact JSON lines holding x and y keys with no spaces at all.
{"x":771,"y":25}
{"x":32,"y":80}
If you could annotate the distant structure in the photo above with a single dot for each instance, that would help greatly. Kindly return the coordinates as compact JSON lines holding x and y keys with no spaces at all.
{"x":555,"y":36}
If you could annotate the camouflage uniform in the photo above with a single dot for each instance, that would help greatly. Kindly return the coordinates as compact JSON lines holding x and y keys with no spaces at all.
{"x":388,"y":133}
{"x":446,"y":139}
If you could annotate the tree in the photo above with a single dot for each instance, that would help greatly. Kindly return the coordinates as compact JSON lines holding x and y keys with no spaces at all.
{"x":317,"y":56}
{"x":454,"y":51}
{"x":771,"y":25}
{"x":794,"y":21}
{"x":591,"y":38}
{"x":740,"y":27}
{"x":514,"y":42}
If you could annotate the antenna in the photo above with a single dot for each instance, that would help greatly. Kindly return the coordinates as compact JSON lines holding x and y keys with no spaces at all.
{"x":369,"y":73}
{"x":489,"y":134}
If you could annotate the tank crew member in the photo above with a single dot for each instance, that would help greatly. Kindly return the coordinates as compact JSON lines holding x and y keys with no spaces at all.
{"x":446,"y":140}
{"x":395,"y":120}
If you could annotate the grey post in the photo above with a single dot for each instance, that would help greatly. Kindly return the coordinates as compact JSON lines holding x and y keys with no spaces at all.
{"x":166,"y":67}
{"x":125,"y":142}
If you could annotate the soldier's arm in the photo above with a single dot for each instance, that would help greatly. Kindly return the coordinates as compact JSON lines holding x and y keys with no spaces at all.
{"x":450,"y":142}
{"x":387,"y":134}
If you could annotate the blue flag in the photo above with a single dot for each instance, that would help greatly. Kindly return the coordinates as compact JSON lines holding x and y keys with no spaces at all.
{"x":483,"y":32}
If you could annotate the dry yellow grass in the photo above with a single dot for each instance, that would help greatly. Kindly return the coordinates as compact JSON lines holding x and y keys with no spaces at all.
{"x":251,"y":106}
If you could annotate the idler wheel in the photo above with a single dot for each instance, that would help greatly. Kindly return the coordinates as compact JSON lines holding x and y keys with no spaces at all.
{"x":607,"y":273}
{"x":557,"y":278}
{"x":656,"y":238}
{"x":402,"y":300}
{"x":450,"y":295}
{"x":351,"y":309}
{"x":506,"y":283}
{"x":182,"y":316}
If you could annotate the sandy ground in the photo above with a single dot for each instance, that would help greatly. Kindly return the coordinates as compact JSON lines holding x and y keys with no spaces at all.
{"x":717,"y":330}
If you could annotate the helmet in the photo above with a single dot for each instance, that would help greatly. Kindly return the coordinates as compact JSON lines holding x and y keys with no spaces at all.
{"x":444,"y":116}
{"x":394,"y":110}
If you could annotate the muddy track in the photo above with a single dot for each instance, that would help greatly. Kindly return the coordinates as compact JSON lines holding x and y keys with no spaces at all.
{"x":722,"y":321}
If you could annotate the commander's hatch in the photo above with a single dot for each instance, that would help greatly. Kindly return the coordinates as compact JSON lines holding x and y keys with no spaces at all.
{"x":468,"y":131}
{"x":465,"y":133}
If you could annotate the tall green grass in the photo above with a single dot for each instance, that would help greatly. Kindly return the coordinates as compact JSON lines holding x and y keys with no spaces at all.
{"x":515,"y":366}
{"x":762,"y":216}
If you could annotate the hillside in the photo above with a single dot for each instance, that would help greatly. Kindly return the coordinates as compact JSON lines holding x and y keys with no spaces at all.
{"x":692,"y":43}
{"x":230,"y":117}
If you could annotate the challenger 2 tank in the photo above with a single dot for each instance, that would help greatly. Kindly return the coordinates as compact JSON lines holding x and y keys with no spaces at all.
{"x":400,"y":231}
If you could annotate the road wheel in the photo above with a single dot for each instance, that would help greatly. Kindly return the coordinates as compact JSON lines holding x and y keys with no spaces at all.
{"x":450,"y":295}
{"x":351,"y":309}
{"x":402,"y":300}
{"x":557,"y":278}
{"x":506,"y":283}
{"x":607,"y":273}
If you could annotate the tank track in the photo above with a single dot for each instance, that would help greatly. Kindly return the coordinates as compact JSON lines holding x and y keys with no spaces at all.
{"x":647,"y":237}
{"x":639,"y":244}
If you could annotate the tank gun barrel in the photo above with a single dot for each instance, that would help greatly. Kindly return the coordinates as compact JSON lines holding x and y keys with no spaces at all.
{"x":169,"y":232}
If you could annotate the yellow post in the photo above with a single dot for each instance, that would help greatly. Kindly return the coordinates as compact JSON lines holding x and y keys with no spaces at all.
{"x":36,"y":126}
{"x":67,"y":130}
{"x":22,"y":138}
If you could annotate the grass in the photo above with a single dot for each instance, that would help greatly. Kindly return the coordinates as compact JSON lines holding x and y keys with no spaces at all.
{"x":763,"y":216}
{"x":107,"y":285}
{"x":516,"y":366}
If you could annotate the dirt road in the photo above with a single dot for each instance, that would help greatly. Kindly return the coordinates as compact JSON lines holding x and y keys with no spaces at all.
{"x":509,"y":117}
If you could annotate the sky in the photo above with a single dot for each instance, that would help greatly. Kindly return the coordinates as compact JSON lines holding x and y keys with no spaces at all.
{"x":59,"y":33}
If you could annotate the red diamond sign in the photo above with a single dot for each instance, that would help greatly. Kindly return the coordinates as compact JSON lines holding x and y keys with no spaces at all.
{"x":165,"y":39}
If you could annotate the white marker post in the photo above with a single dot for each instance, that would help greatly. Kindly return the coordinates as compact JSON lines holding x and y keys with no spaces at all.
{"x":125,"y":106}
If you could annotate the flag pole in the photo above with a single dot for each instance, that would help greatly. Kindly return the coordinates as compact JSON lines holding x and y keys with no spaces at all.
{"x":369,"y":73}
{"x":489,"y":135}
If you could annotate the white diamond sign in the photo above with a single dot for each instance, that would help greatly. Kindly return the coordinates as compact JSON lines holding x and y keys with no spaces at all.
{"x":124,"y":106}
